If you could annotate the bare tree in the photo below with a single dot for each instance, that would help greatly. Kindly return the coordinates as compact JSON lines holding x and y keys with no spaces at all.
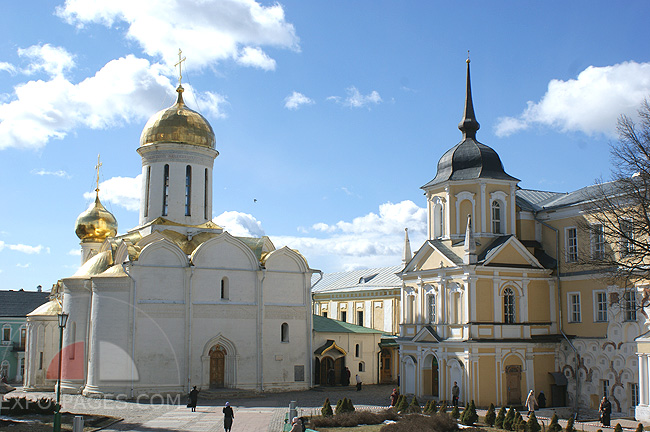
{"x":617,"y":211}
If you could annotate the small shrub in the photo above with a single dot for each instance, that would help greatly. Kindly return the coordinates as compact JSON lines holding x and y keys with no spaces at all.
{"x":443,"y":407}
{"x":470,"y":416}
{"x":569,"y":425}
{"x":509,"y":420}
{"x":498,"y":422}
{"x":402,"y":404}
{"x":599,"y":430}
{"x":618,"y":428}
{"x":554,"y":426}
{"x":326,"y":411}
{"x":350,"y":407}
{"x":532,"y":425}
{"x":339,"y":410}
{"x":431,"y":407}
{"x":22,"y":405}
{"x":455,"y":413}
{"x":639,"y":428}
{"x":464,"y":413}
{"x":519,"y":423}
{"x":420,"y":423}
{"x":414,"y":407}
{"x":490,"y":416}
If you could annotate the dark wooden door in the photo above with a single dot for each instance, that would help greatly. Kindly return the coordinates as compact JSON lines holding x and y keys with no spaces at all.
{"x":217,"y":367}
{"x":434,"y":377}
{"x":386,"y":363}
{"x":513,"y":385}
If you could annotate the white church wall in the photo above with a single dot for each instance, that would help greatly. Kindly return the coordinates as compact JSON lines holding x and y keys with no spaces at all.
{"x":76,"y":301}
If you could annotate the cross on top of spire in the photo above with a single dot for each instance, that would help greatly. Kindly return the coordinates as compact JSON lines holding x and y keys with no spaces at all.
{"x":99,"y":164}
{"x":181,"y":59}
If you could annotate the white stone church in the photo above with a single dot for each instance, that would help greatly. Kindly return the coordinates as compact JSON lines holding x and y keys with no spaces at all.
{"x":177,"y":301}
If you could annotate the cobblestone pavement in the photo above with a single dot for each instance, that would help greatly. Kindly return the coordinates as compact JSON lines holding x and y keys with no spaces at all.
{"x":252,"y":412}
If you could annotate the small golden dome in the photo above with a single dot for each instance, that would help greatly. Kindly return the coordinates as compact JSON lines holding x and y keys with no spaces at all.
{"x":178,"y":124}
{"x":95,"y":224}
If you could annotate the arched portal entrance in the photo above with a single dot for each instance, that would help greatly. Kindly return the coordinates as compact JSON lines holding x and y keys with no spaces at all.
{"x":386,"y":375}
{"x":434,"y":377}
{"x":217,"y":367}
{"x":430,"y":376}
{"x":326,"y":364}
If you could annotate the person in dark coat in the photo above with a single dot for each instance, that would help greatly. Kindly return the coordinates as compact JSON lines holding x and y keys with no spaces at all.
{"x":331,"y":377}
{"x":193,"y":398}
{"x":605,"y":411}
{"x":541,"y":400}
{"x":228,"y":417}
{"x":346,"y":377}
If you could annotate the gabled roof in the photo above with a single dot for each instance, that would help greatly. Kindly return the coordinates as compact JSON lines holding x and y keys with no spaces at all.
{"x":20,"y":303}
{"x":358,"y":280}
{"x":329,"y":325}
{"x":491,"y":252}
{"x":428,"y":248}
{"x":427,"y":334}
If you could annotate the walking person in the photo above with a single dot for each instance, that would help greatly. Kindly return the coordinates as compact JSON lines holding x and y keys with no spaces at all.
{"x":455,"y":393}
{"x":193,"y":399}
{"x":531,"y":402}
{"x":228,"y":417}
{"x":393,"y":397}
{"x":296,"y":425}
{"x":358,"y":378}
{"x":346,"y":377}
{"x":605,"y":411}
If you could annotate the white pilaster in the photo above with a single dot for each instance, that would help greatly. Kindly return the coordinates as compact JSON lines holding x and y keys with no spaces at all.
{"x":483,"y":209}
{"x":513,"y":222}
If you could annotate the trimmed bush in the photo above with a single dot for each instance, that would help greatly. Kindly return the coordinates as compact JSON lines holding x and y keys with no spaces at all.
{"x":554,"y":426}
{"x":433,"y":407}
{"x":455,"y":413}
{"x":618,"y":428}
{"x":339,"y":410}
{"x":470,"y":416}
{"x":414,"y":407}
{"x":326,"y":411}
{"x":498,"y":422}
{"x":402,"y":404}
{"x":639,"y":427}
{"x":464,"y":413}
{"x":443,"y":407}
{"x":519,"y":423}
{"x":22,"y":405}
{"x":491,"y":416}
{"x":569,"y":425}
{"x":532,"y":425}
{"x":509,"y":420}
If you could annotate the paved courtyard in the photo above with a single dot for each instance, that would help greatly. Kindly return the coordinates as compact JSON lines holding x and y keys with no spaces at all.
{"x":252,"y":413}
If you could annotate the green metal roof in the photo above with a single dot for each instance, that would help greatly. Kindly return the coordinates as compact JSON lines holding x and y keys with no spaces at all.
{"x":322,"y":324}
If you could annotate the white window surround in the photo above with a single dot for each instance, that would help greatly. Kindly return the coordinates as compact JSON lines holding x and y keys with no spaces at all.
{"x":600,"y":308}
{"x":438,"y":216}
{"x":6,"y":339}
{"x":574,"y":309}
{"x":502,"y":199}
{"x":460,"y":197}
{"x":571,"y":244}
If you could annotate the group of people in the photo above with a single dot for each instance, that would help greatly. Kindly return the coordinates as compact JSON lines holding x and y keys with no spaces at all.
{"x":228,"y":414}
{"x":345,"y":378}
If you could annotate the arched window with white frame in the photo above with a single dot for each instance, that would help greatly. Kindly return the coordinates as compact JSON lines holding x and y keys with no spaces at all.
{"x":438,"y":218}
{"x":509,"y":313}
{"x":431,"y":308}
{"x":284,"y":332}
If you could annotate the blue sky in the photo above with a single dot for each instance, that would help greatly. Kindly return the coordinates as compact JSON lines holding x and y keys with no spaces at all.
{"x":331,"y":114}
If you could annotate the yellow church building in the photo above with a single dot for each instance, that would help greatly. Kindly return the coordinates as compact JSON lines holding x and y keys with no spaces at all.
{"x":495,"y":301}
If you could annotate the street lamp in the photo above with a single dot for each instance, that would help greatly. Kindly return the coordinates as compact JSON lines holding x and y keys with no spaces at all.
{"x":63,"y":320}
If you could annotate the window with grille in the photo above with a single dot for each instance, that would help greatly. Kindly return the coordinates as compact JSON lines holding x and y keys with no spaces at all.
{"x":629,"y":299}
{"x":496,"y":217}
{"x":574,"y":308}
{"x":627,"y":237}
{"x":431,"y":308}
{"x":571,"y":244}
{"x":165,"y":206}
{"x":188,"y":190}
{"x":509,"y":306}
{"x":601,"y":305}
{"x":598,"y":239}
{"x":634,"y":394}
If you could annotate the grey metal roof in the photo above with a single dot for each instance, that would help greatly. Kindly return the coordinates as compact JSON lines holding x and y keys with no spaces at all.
{"x":20,"y":303}
{"x":534,"y":200}
{"x":443,"y":249}
{"x":357,"y":280}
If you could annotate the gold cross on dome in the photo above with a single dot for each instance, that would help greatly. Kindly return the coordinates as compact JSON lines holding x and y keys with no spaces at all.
{"x":99,"y":164}
{"x":179,"y":64}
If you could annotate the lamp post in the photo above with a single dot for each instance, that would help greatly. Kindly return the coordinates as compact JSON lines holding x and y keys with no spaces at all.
{"x":63,"y":320}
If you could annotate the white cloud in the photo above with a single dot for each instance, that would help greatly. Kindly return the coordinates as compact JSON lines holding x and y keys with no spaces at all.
{"x":373,"y":240}
{"x":58,"y":173}
{"x":120,"y":191}
{"x":30,"y":250}
{"x":355,"y":99}
{"x":210,"y":103}
{"x":47,"y":58}
{"x":257,"y":58}
{"x":239,"y":224}
{"x":295,"y":100}
{"x":208,"y":31}
{"x":590,"y":104}
{"x":7,"y":67}
{"x":74,"y":252}
{"x":22,"y":265}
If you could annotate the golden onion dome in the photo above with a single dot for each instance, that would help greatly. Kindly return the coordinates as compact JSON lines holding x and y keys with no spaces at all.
{"x":178,"y":124}
{"x":95,"y":224}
